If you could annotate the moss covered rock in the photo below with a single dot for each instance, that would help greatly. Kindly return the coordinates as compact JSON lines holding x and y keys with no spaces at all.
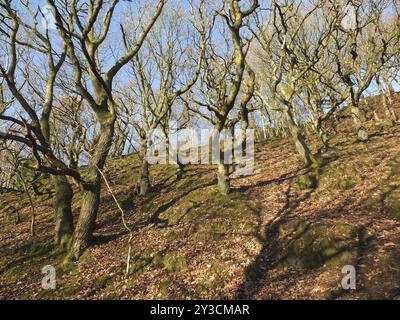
{"x":171,"y":261}
{"x":317,"y":245}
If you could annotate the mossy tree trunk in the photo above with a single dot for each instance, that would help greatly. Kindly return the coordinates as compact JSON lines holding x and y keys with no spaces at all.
{"x":91,"y":189}
{"x":323,"y":137}
{"x":391,"y":117}
{"x":64,"y":225}
{"x":173,"y":153}
{"x":180,"y":170}
{"x":244,"y":126}
{"x":120,"y":140}
{"x":144,"y":179}
{"x":222,"y":168}
{"x":99,"y":98}
{"x":63,"y":194}
{"x":144,"y":176}
{"x":362,"y":133}
{"x":223,"y":179}
{"x":298,"y":137}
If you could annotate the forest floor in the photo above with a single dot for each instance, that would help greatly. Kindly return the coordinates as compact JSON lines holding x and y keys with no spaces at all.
{"x":278,"y":235}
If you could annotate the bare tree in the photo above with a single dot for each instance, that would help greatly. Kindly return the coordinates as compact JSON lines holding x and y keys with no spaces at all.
{"x":288,"y":51}
{"x":167,"y":67}
{"x":84,"y":30}
{"x":14,"y":156}
{"x":24,"y":37}
{"x":223,"y":75}
{"x":362,"y":45}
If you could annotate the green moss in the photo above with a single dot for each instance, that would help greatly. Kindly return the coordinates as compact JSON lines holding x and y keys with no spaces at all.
{"x":173,"y":262}
{"x":393,"y":204}
{"x":321,"y":245}
{"x":26,"y":296}
{"x":215,"y":279}
{"x":329,"y":252}
{"x":16,"y":271}
{"x":217,"y":267}
{"x":339,"y":259}
{"x":102,"y":282}
{"x":346,"y":183}
{"x":141,"y":262}
{"x":71,"y":290}
{"x":42,"y":248}
{"x":66,"y":242}
{"x":112,"y":296}
{"x":317,"y":163}
{"x":263,"y":234}
{"x":68,"y":260}
{"x":44,"y":295}
{"x":307,"y":181}
{"x":172,"y":235}
{"x":165,"y":288}
{"x":201,"y":289}
{"x":31,"y":260}
{"x":206,"y":232}
{"x":294,"y":227}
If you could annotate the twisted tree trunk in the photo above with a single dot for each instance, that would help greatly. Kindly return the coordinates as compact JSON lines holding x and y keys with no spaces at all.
{"x":64,"y":226}
{"x":91,"y":190}
{"x":391,"y":117}
{"x":298,"y":138}
{"x":362,"y":133}
{"x":323,"y":137}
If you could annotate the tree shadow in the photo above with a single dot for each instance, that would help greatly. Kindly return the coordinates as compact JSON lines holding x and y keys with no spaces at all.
{"x":264,"y":183}
{"x":155,"y":217}
{"x":256,"y":272}
{"x":270,"y":256}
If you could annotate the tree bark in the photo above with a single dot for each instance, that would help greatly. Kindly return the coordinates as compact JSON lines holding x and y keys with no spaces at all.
{"x":223,"y":169}
{"x":223,"y":179}
{"x":144,"y":180}
{"x":180,"y":170}
{"x":244,"y":125}
{"x":387,"y":100}
{"x":321,"y":132}
{"x":298,"y":138}
{"x":391,"y":116}
{"x":362,"y":133}
{"x":64,"y":225}
{"x":87,"y":219}
{"x":91,"y":190}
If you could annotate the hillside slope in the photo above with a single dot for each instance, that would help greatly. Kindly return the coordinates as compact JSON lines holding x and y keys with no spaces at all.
{"x":274,"y":237}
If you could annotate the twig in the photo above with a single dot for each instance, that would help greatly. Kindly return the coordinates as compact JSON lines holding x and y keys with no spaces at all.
{"x":128,"y":258}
